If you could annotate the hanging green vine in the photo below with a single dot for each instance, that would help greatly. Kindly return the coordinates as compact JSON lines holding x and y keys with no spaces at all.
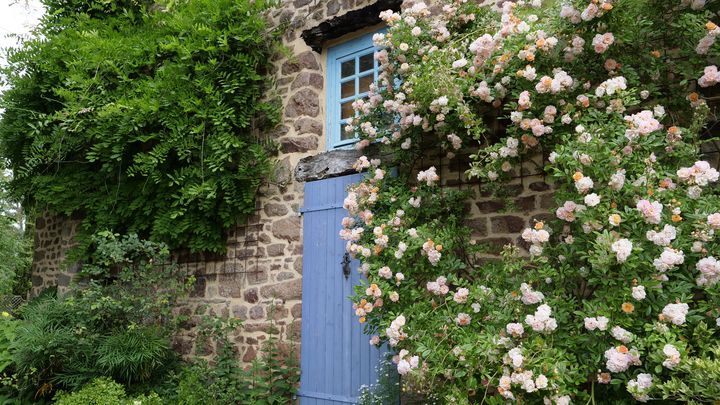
{"x":143,"y":117}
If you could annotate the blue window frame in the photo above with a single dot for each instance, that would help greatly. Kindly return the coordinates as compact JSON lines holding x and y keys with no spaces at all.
{"x":351,"y":68}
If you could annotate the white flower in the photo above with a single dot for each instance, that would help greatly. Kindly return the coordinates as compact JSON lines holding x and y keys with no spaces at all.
{"x":515,"y":357}
{"x":541,"y":382}
{"x":650,"y":210}
{"x":591,"y":323}
{"x":611,"y":86}
{"x":714,"y":220}
{"x":668,"y":259}
{"x":675,"y":313}
{"x":617,"y":180}
{"x":710,"y":76}
{"x":515,"y":329}
{"x":664,"y":237}
{"x":621,"y":334}
{"x":529,"y":73}
{"x":584,"y":184}
{"x":659,"y":111}
{"x":439,"y":286}
{"x":461,"y":295}
{"x":694,"y":192}
{"x":535,"y":236}
{"x":620,"y":358}
{"x":403,"y":367}
{"x":600,"y":323}
{"x":701,"y":173}
{"x":709,"y":268}
{"x":529,"y":296}
{"x":640,"y":124}
{"x":640,"y":386}
{"x":622,"y":249}
{"x":639,"y":293}
{"x":563,"y":400}
{"x":429,"y":176}
{"x":592,"y":200}
{"x":672,"y":356}
{"x":460,"y":63}
{"x":601,"y":42}
{"x":395,"y":333}
{"x":541,"y":320}
{"x":462,"y":319}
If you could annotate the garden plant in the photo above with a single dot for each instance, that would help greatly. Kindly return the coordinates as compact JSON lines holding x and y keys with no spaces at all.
{"x":142,"y":116}
{"x":613,"y":300}
{"x":109,"y":340}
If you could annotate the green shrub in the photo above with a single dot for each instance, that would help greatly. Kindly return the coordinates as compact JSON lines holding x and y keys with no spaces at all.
{"x":8,"y":332}
{"x":15,"y":241}
{"x":118,"y":325}
{"x":271,"y":379}
{"x":134,"y":354}
{"x":387,"y":388}
{"x":104,"y":391}
{"x":142,"y":116}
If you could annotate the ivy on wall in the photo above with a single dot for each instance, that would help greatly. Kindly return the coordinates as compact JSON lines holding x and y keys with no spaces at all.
{"x":143,"y":117}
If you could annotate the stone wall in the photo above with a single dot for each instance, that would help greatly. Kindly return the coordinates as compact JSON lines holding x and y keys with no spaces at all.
{"x":53,"y":238}
{"x":265,"y":289}
{"x":260,"y":278}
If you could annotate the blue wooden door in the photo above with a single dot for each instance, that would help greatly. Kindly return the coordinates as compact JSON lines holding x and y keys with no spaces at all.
{"x":335,"y":356}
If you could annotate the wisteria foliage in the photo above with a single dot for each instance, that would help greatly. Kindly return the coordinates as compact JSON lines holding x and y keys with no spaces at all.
{"x":614,"y":300}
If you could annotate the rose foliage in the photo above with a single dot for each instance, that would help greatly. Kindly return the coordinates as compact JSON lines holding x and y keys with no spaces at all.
{"x":616,"y":299}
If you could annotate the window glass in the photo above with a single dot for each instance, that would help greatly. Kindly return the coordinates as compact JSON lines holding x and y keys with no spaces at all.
{"x":351,"y":70}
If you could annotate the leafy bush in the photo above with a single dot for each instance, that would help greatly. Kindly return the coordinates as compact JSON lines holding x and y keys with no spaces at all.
{"x":104,"y":391}
{"x":118,"y":325}
{"x":142,"y":119}
{"x":699,"y":380}
{"x":8,"y":332}
{"x":101,"y":391}
{"x":616,"y":298}
{"x":387,"y":388}
{"x":15,"y":259}
{"x":15,"y":241}
{"x":271,"y":378}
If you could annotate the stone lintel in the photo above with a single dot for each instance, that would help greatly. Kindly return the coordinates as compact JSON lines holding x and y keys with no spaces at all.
{"x":347,"y":23}
{"x":325,"y":165}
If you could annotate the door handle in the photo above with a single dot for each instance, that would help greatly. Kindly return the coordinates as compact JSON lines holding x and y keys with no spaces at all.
{"x":345,"y":263}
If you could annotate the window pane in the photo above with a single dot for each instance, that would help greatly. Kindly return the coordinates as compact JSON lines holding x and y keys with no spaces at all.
{"x":365,"y":82}
{"x":344,"y":135}
{"x":347,"y":68}
{"x":367,"y":62}
{"x":347,"y":89}
{"x":346,"y":110}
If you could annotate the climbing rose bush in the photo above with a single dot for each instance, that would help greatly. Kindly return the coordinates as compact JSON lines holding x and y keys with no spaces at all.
{"x":614,"y":300}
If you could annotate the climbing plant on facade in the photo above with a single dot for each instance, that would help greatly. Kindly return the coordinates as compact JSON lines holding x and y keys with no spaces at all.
{"x":142,"y":116}
{"x":616,"y":299}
